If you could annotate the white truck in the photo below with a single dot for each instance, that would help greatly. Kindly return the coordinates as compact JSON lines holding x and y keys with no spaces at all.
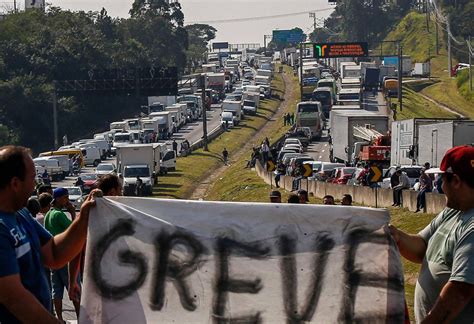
{"x":235,"y":108}
{"x":342,"y":131}
{"x":135,"y":161}
{"x":180,"y":110}
{"x":262,"y":80}
{"x":343,"y":65}
{"x":165,"y":124}
{"x":351,"y":71}
{"x":251,"y":95}
{"x":164,"y":100}
{"x":167,"y":157}
{"x":118,"y":126}
{"x":266,"y":73}
{"x":421,"y":70}
{"x":310,"y":114}
{"x":405,"y":146}
{"x":215,"y":81}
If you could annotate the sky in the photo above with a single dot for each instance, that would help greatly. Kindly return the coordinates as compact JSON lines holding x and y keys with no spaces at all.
{"x":251,"y":31}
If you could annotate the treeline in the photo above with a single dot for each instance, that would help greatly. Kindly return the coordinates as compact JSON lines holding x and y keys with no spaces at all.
{"x":38,"y":47}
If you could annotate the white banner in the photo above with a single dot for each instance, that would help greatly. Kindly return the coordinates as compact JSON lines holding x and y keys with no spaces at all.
{"x":174,"y":261}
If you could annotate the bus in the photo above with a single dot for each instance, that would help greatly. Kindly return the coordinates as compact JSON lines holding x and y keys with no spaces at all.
{"x":309,"y":114}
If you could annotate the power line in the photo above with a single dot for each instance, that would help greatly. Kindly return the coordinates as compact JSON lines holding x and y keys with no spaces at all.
{"x":226,"y":21}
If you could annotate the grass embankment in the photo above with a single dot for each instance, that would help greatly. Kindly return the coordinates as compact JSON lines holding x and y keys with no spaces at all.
{"x":242,"y":184}
{"x":418,"y":43}
{"x":192,"y":169}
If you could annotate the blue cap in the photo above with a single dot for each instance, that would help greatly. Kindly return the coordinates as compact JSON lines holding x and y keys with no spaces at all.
{"x":60,"y":192}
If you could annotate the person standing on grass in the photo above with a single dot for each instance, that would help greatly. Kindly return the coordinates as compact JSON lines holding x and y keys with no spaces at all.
{"x":225,"y":155}
{"x":403,"y":183}
{"x":444,"y":291}
{"x":26,"y":247}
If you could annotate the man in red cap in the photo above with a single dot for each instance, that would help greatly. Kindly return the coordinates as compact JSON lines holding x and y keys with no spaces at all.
{"x":445,"y":287}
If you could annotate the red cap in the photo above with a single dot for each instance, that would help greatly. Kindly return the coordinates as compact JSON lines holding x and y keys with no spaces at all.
{"x":458,"y":160}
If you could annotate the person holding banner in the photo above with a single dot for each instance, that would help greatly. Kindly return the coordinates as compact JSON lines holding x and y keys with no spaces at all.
{"x":444,"y":290}
{"x":26,"y":247}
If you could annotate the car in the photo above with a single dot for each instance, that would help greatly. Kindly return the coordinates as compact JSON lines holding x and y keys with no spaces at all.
{"x":413,"y":172}
{"x":282,"y":153}
{"x":288,"y":156}
{"x":297,"y":147}
{"x":298,"y":160}
{"x":90,"y":181}
{"x":76,"y":196}
{"x":292,"y":140}
{"x":326,"y":169}
{"x":105,"y":168}
{"x":353,"y":179}
{"x":301,"y":136}
{"x":342,"y":175}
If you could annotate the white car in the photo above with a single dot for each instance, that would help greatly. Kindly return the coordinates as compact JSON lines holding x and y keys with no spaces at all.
{"x":75,"y":196}
{"x":413,"y":172}
{"x":105,"y":168}
{"x":297,"y":147}
{"x":294,"y":141}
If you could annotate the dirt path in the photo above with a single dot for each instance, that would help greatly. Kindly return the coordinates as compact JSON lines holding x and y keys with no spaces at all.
{"x":207,"y":182}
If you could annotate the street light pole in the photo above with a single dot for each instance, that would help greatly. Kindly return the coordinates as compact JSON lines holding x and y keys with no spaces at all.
{"x":204,"y":112}
{"x":400,"y":75}
{"x":55,"y":116}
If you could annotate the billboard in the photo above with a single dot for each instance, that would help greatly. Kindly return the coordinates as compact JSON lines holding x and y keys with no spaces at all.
{"x":220,"y":45}
{"x":37,"y":4}
{"x":353,"y":49}
{"x":288,"y":36}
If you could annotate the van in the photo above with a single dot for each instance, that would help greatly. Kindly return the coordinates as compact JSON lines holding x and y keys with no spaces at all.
{"x":91,"y":154}
{"x":103,"y":145}
{"x":71,"y":153}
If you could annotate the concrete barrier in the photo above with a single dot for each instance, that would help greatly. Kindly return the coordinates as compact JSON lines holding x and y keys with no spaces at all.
{"x":435,"y":203}
{"x":366,"y":196}
{"x":409,"y":199}
{"x":384,"y":197}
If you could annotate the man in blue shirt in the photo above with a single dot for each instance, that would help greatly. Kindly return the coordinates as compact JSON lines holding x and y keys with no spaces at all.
{"x":25,"y":246}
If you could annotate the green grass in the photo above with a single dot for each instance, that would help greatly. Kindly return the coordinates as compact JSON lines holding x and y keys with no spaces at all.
{"x":420,"y":45}
{"x":192,"y":169}
{"x":415,"y":106}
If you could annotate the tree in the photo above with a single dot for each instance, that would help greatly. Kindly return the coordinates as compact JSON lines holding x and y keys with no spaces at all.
{"x":199,"y":36}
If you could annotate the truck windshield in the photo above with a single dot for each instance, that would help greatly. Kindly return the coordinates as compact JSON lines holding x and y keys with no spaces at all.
{"x":325,"y":84}
{"x":249,"y":103}
{"x":122,"y":138}
{"x":308,"y":108}
{"x":156,"y":107}
{"x":349,"y":96}
{"x":134,"y":124}
{"x":132,"y":172}
{"x":322,"y":96}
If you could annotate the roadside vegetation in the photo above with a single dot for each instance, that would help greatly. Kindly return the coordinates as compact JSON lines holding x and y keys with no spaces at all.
{"x":199,"y":165}
{"x":420,"y":45}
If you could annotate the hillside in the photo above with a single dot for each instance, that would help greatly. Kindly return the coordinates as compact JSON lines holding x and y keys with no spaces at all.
{"x":419,"y":43}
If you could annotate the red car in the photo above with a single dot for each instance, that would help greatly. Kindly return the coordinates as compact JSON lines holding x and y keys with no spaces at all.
{"x":343,"y":175}
{"x":90,"y":181}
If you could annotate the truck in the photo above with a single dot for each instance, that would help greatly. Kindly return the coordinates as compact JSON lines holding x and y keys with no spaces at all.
{"x":421,"y":70}
{"x":407,"y":65}
{"x":351,"y":71}
{"x":342,"y":67}
{"x":196,"y":107}
{"x":216,"y":81}
{"x":249,"y":107}
{"x":235,"y":108}
{"x":118,"y":126}
{"x":209,"y":68}
{"x":164,"y":100}
{"x":325,"y":97}
{"x":132,"y":124}
{"x":180,"y":117}
{"x":167,"y":157}
{"x":436,"y":139}
{"x":251,"y":95}
{"x":386,"y":71}
{"x":266,"y":73}
{"x":405,"y":136}
{"x":310,"y":114}
{"x":165,"y":124}
{"x":140,"y":160}
{"x":373,"y":148}
{"x":55,"y":171}
{"x":371,"y":78}
{"x":262,"y":80}
{"x":342,"y":131}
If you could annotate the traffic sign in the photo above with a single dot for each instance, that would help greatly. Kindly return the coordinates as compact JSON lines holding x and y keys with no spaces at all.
{"x":271,"y":166}
{"x":375,"y":174}
{"x":220,"y":45}
{"x":327,"y":50}
{"x":308,"y":170}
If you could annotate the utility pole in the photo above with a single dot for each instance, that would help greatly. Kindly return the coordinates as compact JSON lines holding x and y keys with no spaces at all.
{"x":313,"y":15}
{"x":55,"y":116}
{"x":450,"y":63}
{"x":427,"y":16}
{"x":400,"y":73}
{"x":204,"y":111}
{"x":14,"y":6}
{"x":470,"y":64}
{"x":301,"y":70}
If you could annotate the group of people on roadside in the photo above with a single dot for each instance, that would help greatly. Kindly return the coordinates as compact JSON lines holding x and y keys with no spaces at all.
{"x":302,"y":197}
{"x":445,"y":248}
{"x":288,"y":119}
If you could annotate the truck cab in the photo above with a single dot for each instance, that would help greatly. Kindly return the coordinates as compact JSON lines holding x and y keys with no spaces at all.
{"x":129,"y":177}
{"x":324,"y":96}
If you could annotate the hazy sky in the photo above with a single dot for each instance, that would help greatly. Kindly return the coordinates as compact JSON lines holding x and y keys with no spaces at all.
{"x":233,"y":32}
